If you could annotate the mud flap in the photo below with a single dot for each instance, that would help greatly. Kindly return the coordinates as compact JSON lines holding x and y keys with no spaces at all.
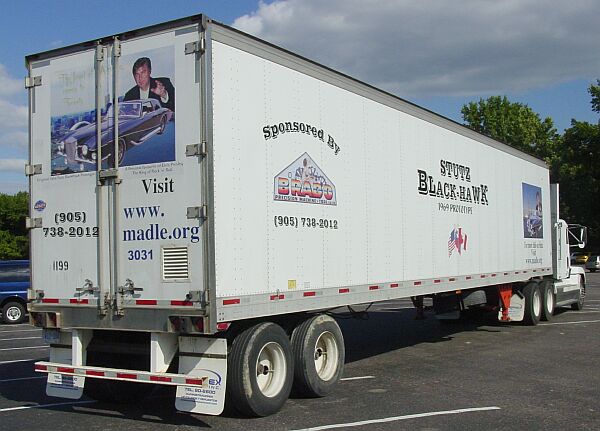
{"x":202,"y":359}
{"x":516,"y":311}
{"x":66,"y":348}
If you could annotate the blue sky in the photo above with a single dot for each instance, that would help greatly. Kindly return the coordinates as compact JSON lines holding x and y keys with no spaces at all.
{"x":439,"y":55}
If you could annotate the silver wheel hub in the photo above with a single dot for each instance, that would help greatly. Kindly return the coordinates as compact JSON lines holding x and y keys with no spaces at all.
{"x":271,"y":369}
{"x":326,"y":356}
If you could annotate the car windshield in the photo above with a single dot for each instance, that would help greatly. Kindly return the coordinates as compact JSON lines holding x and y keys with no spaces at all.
{"x":130,"y":110}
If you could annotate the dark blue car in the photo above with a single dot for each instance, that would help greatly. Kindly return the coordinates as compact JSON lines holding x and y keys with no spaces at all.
{"x":14,"y":282}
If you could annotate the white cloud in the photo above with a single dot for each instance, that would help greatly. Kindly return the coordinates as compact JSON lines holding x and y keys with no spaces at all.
{"x":461,"y":47}
{"x":12,"y":116}
{"x":9,"y":85}
{"x":15,"y":138}
{"x":12,"y":165}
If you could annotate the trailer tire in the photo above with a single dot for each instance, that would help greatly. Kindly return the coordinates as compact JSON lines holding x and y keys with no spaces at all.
{"x":260,"y":370}
{"x":319,"y":355}
{"x":13,"y":312}
{"x":533,"y":304}
{"x":548,"y":300}
{"x":578,"y":306}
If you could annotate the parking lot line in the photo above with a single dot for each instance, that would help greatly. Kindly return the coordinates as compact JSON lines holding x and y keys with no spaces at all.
{"x":22,"y":378}
{"x":25,"y":348}
{"x":24,"y":338}
{"x":399,"y":418}
{"x":41,"y":406}
{"x":345,"y":379}
{"x":22,"y":360}
{"x":570,"y":323}
{"x":6,"y":331}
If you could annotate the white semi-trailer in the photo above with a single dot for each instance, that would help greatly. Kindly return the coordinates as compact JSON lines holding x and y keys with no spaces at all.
{"x":238,"y":194}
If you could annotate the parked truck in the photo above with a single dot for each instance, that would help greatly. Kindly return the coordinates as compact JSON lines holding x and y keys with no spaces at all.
{"x":201,"y":200}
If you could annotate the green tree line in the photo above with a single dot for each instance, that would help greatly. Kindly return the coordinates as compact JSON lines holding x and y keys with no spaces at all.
{"x":573,"y":158}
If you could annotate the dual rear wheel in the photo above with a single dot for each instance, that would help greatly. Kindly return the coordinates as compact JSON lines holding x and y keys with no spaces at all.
{"x":264,"y":364}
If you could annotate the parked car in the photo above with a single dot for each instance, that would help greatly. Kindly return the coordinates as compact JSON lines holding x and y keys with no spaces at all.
{"x":14,"y":282}
{"x":593,"y":263}
{"x":580,"y":257}
{"x":139,"y":120}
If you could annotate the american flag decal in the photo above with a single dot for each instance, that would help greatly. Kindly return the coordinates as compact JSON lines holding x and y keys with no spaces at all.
{"x":457,"y":241}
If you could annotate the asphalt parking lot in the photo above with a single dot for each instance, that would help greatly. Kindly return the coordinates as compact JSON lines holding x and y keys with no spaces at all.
{"x":400,"y":373}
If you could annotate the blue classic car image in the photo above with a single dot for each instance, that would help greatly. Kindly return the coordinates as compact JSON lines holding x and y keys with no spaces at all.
{"x":77,"y":149}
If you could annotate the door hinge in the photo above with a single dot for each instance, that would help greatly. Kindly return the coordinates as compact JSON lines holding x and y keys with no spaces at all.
{"x":99,"y":53}
{"x":33,"y":170}
{"x":117,"y":48}
{"x":193,"y":47}
{"x":33,"y":223}
{"x":106,"y":174}
{"x":196,"y":149}
{"x":33,"y":81}
{"x":197,"y":212}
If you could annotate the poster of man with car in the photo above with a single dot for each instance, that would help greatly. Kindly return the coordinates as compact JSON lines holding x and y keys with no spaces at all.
{"x":146,"y":117}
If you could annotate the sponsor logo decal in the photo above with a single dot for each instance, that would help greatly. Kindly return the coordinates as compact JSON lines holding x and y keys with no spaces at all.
{"x":303,"y":181}
{"x":457,"y":241}
{"x":39,"y":206}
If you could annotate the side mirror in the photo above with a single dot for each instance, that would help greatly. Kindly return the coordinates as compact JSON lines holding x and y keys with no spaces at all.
{"x":577,"y":235}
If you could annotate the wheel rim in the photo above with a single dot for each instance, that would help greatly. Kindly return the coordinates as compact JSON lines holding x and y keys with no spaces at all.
{"x":549,"y":300}
{"x":326,"y":356}
{"x":537,"y":303}
{"x":13,"y":314}
{"x":271,"y":369}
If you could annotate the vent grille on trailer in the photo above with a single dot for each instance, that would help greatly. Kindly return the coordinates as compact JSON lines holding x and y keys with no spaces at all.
{"x":175,"y":263}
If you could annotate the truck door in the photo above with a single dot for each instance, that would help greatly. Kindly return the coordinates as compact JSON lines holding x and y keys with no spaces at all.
{"x":118,"y":224}
{"x":159,"y":190}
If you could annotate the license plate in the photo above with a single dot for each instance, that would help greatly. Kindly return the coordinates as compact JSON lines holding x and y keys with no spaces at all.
{"x":51,"y":336}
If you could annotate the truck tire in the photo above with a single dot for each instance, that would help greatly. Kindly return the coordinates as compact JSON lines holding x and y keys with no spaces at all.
{"x":260,"y":370}
{"x":319,"y":355}
{"x":548,"y":300}
{"x":13,"y":312}
{"x":578,"y":306}
{"x":533,"y":304}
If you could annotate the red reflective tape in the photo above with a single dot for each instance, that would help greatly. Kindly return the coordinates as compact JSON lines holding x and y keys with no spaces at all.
{"x":483,"y":276}
{"x":146,"y":302}
{"x":437,"y":281}
{"x":277,"y":297}
{"x":181,"y":303}
{"x":94,"y":373}
{"x":468,"y":277}
{"x":344,"y":290}
{"x":452,"y":279}
{"x":493,"y":275}
{"x":394,"y":285}
{"x":50,"y":300}
{"x":160,"y":379}
{"x":65,"y":370}
{"x":198,"y":382}
{"x":41,"y":368}
{"x":373,"y":287}
{"x":417,"y":283}
{"x":231,"y":301}
{"x":79,"y":301}
{"x":309,"y":294}
{"x":223,"y":326}
{"x":127,"y":376}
